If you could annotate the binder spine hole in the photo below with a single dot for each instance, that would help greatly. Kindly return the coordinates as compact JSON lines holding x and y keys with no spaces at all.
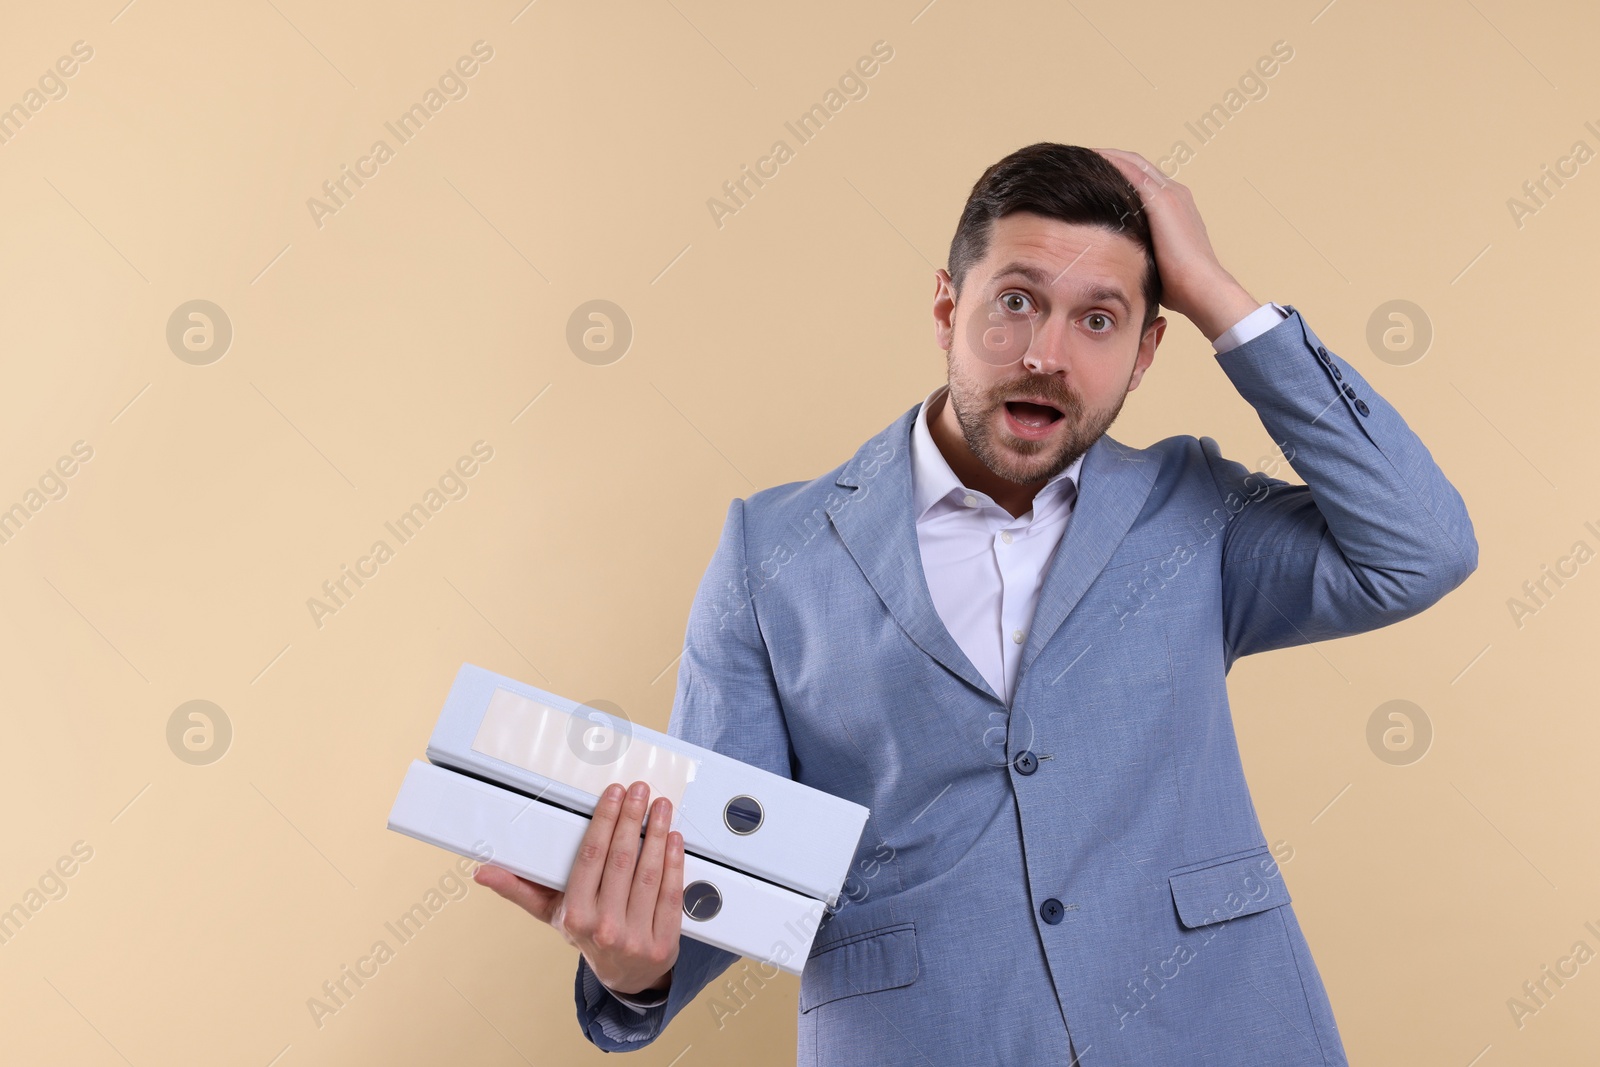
{"x":743,"y":815}
{"x":701,"y":901}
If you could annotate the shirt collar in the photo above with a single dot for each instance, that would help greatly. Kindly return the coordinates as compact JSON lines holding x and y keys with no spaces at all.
{"x":933,"y":480}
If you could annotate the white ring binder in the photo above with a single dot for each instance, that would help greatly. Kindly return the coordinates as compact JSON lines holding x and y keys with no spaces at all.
{"x":562,"y":752}
{"x":539,"y":841}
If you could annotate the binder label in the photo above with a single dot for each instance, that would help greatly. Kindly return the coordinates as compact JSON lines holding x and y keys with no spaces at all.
{"x":587,"y":751}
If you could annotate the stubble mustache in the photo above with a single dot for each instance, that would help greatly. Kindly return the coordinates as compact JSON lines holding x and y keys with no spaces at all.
{"x":1048,"y":390}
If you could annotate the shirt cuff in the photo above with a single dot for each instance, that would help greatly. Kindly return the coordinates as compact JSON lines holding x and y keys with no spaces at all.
{"x":1250,"y":327}
{"x":639,"y":1002}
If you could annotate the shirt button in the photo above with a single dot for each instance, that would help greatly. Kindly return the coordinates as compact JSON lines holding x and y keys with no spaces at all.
{"x":1005,"y":535}
{"x":1051,"y":911}
{"x":1017,"y":635}
{"x":1026,"y":762}
{"x":970,"y":501}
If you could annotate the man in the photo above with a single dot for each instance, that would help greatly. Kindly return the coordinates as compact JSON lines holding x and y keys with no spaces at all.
{"x":1007,"y":635}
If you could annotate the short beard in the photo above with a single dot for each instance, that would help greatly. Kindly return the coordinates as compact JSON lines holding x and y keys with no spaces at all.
{"x":975,"y":410}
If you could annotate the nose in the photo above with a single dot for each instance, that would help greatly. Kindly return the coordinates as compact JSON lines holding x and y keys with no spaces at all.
{"x":1047,"y":351}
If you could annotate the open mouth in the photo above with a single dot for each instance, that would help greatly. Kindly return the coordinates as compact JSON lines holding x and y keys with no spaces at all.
{"x":1031,"y":419}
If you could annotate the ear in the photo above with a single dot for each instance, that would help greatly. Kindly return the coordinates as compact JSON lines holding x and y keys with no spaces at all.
{"x":944,"y":309}
{"x":1147,"y":350}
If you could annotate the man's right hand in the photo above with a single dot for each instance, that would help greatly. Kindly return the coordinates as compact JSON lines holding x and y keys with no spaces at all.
{"x":623,"y":905}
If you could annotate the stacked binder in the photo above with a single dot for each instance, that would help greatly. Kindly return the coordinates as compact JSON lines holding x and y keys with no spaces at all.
{"x":516,"y":772}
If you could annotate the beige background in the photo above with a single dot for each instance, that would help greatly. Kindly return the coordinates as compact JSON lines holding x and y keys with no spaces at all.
{"x":431,"y":310}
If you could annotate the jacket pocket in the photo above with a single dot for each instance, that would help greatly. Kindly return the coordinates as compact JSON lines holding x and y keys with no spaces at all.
{"x":1216,"y":890}
{"x":867,"y":962}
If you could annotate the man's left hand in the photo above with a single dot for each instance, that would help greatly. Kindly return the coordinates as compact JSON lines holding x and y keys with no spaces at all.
{"x":1193,"y":282}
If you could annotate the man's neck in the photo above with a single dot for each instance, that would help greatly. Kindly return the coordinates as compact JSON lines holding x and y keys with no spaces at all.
{"x":968,"y":468}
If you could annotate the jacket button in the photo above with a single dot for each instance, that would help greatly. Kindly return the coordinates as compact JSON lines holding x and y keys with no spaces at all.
{"x":1337,"y":374}
{"x":1051,"y":911}
{"x":1361,"y":406}
{"x":1026,"y":762}
{"x":1349,"y":392}
{"x":1322,"y":354}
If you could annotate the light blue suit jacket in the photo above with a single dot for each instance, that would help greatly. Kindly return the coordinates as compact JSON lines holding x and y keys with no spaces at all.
{"x":1088,"y":858}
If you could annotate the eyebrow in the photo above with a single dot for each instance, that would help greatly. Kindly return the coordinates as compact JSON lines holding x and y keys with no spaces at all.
{"x":1040,"y":278}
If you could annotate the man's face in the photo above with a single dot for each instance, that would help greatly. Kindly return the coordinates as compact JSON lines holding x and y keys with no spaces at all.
{"x":1052,"y":313}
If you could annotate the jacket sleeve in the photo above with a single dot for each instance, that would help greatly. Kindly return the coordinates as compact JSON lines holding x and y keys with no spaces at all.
{"x":1375,"y":535}
{"x":727,"y":701}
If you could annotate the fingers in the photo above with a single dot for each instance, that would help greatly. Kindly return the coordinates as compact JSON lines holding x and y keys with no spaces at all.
{"x":617,"y":880}
{"x":1135,"y":165}
{"x":669,"y":901}
{"x":1138,"y":170}
{"x":583,"y":884}
{"x":537,"y":900}
{"x":647,"y":879}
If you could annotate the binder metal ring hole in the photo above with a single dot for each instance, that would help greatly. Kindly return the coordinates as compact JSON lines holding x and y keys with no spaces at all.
{"x":701,"y":901}
{"x":743,"y":815}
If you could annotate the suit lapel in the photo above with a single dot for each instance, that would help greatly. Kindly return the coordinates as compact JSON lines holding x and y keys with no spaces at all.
{"x":1113,"y":484}
{"x":878,"y":528}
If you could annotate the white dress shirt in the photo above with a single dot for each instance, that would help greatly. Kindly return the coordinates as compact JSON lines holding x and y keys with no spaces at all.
{"x":983,"y":565}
